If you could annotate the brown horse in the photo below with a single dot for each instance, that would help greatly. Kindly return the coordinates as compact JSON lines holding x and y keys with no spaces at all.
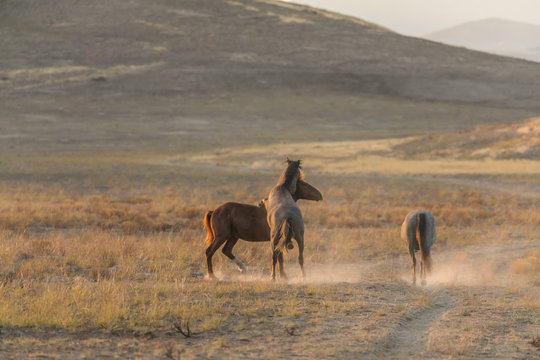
{"x":418,"y":233}
{"x":284,"y":217}
{"x":232,"y":221}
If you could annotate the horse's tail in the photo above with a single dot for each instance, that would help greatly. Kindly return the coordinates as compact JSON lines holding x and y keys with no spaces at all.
{"x":422,"y":240}
{"x":210,"y":232}
{"x":285,"y":234}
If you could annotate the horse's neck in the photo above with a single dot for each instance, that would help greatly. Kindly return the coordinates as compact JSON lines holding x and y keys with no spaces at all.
{"x":288,"y":180}
{"x":279,"y":196}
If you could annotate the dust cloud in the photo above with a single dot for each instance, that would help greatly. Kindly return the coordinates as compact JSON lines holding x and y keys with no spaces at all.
{"x":478,"y":265}
{"x":484,"y":265}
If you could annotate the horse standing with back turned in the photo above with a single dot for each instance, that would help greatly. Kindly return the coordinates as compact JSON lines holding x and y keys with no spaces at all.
{"x":284,"y":217}
{"x":418,"y":233}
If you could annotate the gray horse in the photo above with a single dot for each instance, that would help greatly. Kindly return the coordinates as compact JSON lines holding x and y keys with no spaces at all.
{"x":284,"y":217}
{"x":418,"y":233}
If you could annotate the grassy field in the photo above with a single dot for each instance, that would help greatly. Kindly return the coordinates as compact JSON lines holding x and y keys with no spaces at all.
{"x":122,"y":123}
{"x":92,"y":262}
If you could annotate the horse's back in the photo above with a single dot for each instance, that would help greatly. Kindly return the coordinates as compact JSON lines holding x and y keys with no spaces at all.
{"x":245,"y":221}
{"x":281,"y":205}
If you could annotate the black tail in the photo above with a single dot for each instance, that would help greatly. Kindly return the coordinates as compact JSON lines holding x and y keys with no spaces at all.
{"x":288,"y":238}
{"x":422,"y":241}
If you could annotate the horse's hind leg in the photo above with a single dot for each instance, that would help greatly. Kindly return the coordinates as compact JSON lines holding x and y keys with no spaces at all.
{"x":299,"y":237}
{"x":301,"y":257}
{"x":281,"y":267}
{"x":413,"y":264}
{"x":216,"y":244}
{"x":275,"y":256}
{"x":227,"y":250}
{"x":422,"y":272}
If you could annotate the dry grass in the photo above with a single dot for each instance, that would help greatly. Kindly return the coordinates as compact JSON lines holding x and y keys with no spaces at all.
{"x":362,"y":157}
{"x":64,"y":257}
{"x":481,"y":327}
{"x":529,"y":264}
{"x":130,"y":214}
{"x":84,"y":249}
{"x":510,"y":141}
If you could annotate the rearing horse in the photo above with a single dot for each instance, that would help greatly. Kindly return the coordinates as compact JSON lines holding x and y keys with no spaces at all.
{"x":284,"y":217}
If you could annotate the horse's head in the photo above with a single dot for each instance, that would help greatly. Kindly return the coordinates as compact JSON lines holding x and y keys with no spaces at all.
{"x":291,"y":175}
{"x":306,"y":191}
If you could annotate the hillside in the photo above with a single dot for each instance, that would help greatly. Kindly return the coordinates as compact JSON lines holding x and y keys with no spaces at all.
{"x":184,"y":75}
{"x":498,"y":36}
{"x":505,"y":141}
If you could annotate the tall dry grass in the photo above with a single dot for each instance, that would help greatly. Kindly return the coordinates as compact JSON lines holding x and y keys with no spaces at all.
{"x":125,"y":259}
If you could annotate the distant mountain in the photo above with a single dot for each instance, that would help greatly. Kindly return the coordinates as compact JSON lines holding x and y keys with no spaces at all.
{"x":498,"y":36}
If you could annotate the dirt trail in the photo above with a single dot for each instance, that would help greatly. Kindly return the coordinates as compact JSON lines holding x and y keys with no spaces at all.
{"x":457,"y":274}
{"x":457,"y":289}
{"x":409,"y":338}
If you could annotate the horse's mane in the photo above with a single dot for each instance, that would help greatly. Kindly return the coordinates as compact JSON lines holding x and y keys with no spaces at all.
{"x":288,"y":177}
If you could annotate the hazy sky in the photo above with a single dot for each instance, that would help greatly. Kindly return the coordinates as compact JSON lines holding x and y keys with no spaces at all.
{"x":416,"y":17}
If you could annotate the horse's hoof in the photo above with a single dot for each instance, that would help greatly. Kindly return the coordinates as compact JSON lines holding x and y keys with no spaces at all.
{"x":211,"y":277}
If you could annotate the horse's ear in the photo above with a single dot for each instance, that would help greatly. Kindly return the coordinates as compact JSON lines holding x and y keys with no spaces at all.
{"x":299,"y":163}
{"x":288,"y":161}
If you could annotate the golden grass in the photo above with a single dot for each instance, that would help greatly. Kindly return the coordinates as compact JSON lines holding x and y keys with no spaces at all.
{"x":84,"y":280}
{"x":115,"y":244}
{"x":135,"y":260}
{"x":529,"y":264}
{"x":462,"y":331}
{"x":171,"y":211}
{"x":360,"y":157}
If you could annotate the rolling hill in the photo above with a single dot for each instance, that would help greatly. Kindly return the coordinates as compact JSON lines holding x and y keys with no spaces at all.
{"x":514,"y":141}
{"x":185,"y":75}
{"x":498,"y":36}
